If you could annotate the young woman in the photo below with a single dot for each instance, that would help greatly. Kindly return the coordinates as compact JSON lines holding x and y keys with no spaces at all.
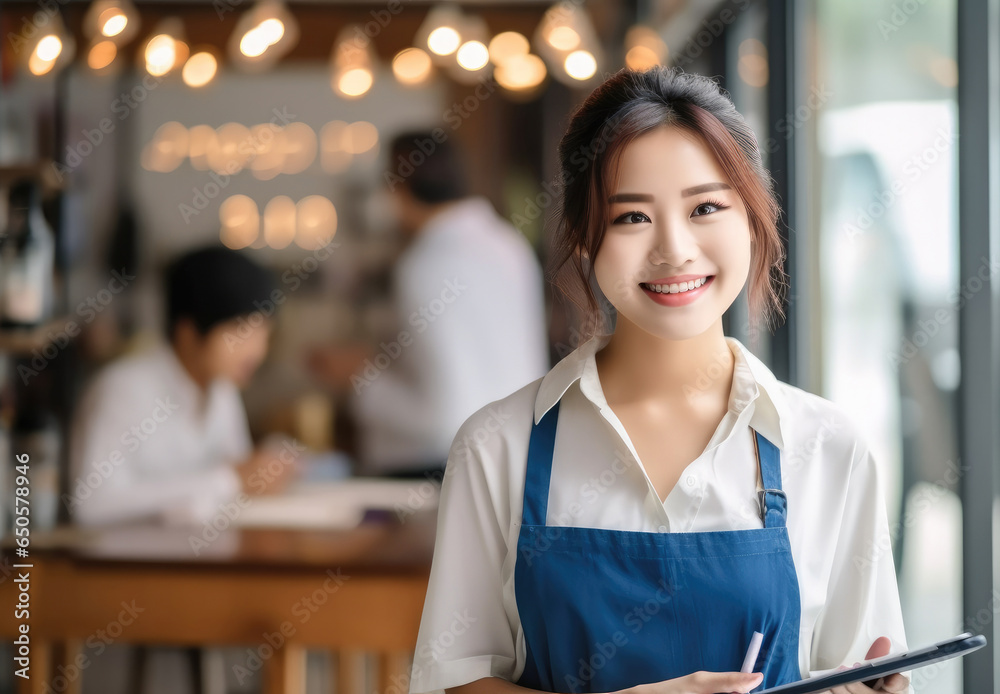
{"x":628,"y":521}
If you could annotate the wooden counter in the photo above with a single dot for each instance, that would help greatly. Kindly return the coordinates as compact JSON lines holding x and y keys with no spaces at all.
{"x":277,"y":591}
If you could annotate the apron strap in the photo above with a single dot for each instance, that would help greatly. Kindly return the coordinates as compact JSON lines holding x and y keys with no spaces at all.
{"x":772,"y":500}
{"x":536,"y":479}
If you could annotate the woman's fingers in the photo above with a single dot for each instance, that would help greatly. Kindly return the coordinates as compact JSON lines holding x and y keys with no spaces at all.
{"x":713,"y":682}
{"x":896,"y":683}
{"x":879,"y":648}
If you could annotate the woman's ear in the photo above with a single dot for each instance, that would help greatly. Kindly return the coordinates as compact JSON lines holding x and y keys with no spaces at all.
{"x":581,"y":252}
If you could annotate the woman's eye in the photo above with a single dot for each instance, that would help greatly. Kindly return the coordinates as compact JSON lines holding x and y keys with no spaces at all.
{"x":632,"y":218}
{"x":708,"y":208}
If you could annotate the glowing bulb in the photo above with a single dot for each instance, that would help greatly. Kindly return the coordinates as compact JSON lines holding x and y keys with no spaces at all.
{"x":355,"y":82}
{"x":101,"y":55}
{"x":641,"y":58}
{"x":520,"y":72}
{"x":316,"y":222}
{"x":199,"y":70}
{"x":254,"y":43}
{"x":361,"y":136}
{"x":506,"y":45}
{"x":114,"y":24}
{"x":411,"y":66}
{"x":443,"y":40}
{"x":161,"y":54}
{"x":473,"y":55}
{"x":49,"y":48}
{"x":279,"y":221}
{"x":271,"y":30}
{"x":240,"y":221}
{"x":563,"y":38}
{"x":202,"y":140}
{"x":39,"y":67}
{"x":580,"y":65}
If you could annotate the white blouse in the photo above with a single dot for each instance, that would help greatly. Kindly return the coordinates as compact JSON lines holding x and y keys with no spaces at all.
{"x":147,"y":443}
{"x":837,"y":523}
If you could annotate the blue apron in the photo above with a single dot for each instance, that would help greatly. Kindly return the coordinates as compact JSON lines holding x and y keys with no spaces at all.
{"x":603,"y":610}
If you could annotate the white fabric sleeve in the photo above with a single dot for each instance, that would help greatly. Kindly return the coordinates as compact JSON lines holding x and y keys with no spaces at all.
{"x":108,"y":484}
{"x":862,"y":600}
{"x":465,"y":633}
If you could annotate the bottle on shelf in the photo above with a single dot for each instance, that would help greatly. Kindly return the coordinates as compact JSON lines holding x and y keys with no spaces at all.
{"x":27,"y":256}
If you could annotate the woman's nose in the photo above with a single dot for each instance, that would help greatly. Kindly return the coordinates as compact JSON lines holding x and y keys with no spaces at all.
{"x":674,"y":243}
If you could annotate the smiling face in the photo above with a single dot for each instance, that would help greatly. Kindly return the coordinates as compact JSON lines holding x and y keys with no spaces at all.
{"x":676,"y":223}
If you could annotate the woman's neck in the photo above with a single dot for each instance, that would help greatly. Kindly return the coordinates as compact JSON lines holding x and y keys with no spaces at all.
{"x":637,"y":366}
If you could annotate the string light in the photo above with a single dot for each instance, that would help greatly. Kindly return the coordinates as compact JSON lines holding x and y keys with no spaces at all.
{"x":580,"y":65}
{"x":51,"y":50}
{"x":566,"y":38}
{"x":506,"y":45}
{"x":200,"y":69}
{"x":644,"y":48}
{"x":473,"y":55}
{"x":441,"y":33}
{"x":165,"y":50}
{"x":412,"y":66}
{"x":101,"y":55}
{"x":117,"y":20}
{"x":520,"y":73}
{"x":443,"y":40}
{"x":351,"y":63}
{"x":263,"y":35}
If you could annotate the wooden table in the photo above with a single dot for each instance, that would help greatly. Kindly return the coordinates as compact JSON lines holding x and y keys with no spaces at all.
{"x":278,"y":591}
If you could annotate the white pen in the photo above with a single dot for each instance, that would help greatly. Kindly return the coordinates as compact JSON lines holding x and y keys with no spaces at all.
{"x":751,"y":657}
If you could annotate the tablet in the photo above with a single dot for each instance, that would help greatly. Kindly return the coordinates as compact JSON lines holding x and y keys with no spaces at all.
{"x":872,"y":670}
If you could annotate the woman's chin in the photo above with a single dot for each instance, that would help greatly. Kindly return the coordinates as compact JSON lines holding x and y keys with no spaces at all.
{"x":672,"y":327}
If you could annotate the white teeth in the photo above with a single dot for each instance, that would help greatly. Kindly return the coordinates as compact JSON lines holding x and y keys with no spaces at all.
{"x":677,"y":288}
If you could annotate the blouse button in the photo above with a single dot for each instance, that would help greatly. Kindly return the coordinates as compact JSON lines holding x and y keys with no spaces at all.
{"x":662,"y":528}
{"x":690,"y":480}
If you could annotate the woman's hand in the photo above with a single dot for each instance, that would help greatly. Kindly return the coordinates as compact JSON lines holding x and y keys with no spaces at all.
{"x":701,"y":683}
{"x":895,"y":683}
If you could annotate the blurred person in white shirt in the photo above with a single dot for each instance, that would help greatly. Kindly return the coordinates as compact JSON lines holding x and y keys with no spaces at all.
{"x":468,"y":295}
{"x":163,"y":434}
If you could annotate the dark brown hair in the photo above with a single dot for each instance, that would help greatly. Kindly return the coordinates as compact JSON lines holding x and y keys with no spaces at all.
{"x":626,"y":105}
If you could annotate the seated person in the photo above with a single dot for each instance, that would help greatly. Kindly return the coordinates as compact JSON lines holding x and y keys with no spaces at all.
{"x":163,"y":434}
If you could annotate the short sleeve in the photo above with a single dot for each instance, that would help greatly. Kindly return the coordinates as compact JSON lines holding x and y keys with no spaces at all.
{"x":862,"y":600}
{"x":465,"y":633}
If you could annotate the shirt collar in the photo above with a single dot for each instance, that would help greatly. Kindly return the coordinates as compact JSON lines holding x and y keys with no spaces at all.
{"x":753,"y":382}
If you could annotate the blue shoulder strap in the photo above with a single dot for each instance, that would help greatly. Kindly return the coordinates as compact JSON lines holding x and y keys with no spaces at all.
{"x":536,"y":479}
{"x":772,"y":500}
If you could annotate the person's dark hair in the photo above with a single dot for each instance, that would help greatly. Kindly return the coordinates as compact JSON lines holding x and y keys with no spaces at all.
{"x":627,"y":105}
{"x":212,"y":285}
{"x":433,"y":171}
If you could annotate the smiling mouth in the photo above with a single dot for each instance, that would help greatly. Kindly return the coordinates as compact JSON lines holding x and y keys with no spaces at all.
{"x":676,"y":288}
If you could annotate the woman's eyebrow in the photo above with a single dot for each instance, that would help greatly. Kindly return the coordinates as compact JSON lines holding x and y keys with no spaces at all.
{"x":704,"y":188}
{"x":631,"y":197}
{"x":687,"y":192}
